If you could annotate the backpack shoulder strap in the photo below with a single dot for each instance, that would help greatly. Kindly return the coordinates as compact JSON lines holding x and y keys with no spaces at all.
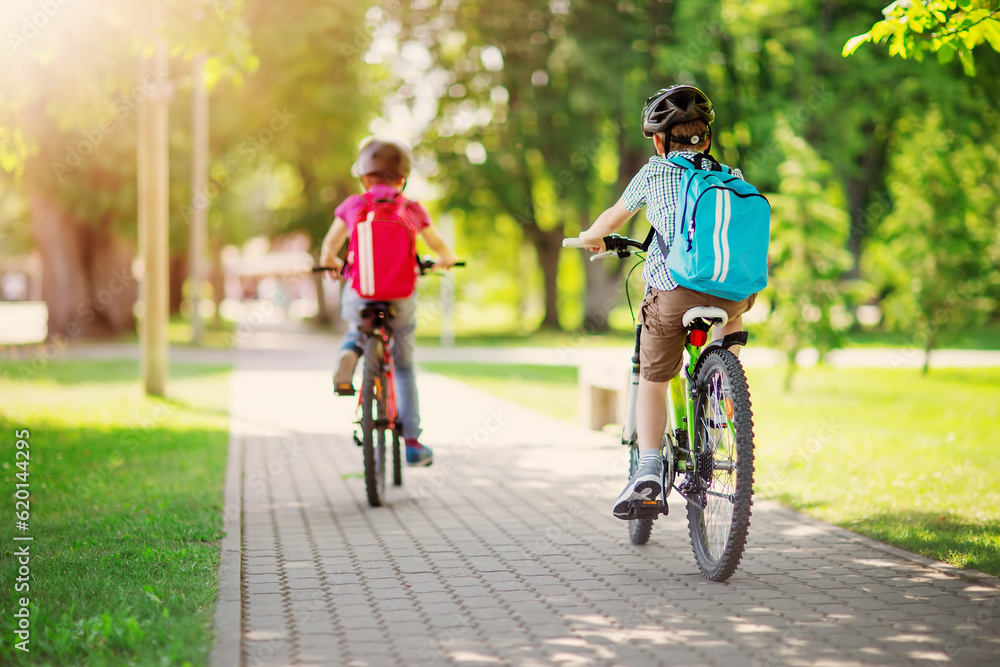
{"x":369,"y":204}
{"x":697,"y":162}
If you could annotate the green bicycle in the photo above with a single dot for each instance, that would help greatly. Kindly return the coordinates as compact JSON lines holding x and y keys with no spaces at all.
{"x":708,"y":445}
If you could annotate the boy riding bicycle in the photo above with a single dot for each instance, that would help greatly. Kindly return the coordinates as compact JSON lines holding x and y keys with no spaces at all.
{"x":383,"y":167}
{"x":677,"y":119}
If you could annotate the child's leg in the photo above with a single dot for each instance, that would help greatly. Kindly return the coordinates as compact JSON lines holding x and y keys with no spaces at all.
{"x":651,"y":415}
{"x":350,"y":346}
{"x":734,"y":325}
{"x":404,"y":331}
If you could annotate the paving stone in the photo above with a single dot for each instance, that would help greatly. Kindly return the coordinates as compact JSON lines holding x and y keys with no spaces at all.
{"x":475,"y":574}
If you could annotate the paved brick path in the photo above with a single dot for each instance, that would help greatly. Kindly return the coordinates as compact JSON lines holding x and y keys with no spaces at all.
{"x":505,"y":553}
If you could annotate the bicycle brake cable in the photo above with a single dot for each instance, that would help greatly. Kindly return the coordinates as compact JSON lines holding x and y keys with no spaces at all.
{"x":628,"y":295}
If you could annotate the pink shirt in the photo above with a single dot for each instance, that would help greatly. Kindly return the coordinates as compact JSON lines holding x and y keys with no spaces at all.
{"x":348,"y":211}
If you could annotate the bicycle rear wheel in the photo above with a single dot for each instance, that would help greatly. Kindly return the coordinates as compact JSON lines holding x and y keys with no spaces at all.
{"x":373,"y":409}
{"x":719,"y":518}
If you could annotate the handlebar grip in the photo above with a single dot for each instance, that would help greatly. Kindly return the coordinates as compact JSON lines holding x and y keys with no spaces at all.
{"x":321,"y":269}
{"x":575,"y":242}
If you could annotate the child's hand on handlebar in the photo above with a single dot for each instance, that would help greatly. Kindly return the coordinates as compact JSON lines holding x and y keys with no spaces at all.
{"x":334,"y":263}
{"x":591,"y":242}
{"x":445,"y":261}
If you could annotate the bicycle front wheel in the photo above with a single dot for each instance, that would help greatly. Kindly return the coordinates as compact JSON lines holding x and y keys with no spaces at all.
{"x":397,"y":454}
{"x":373,"y":409}
{"x":719,"y":517}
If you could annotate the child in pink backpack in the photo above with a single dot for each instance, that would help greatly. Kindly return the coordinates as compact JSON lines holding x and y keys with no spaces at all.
{"x":384,"y":167}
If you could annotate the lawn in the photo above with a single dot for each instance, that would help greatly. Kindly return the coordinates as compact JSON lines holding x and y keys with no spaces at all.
{"x":126,"y":496}
{"x":900,"y":457}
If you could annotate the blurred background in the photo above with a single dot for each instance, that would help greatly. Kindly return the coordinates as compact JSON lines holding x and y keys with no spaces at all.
{"x":882,"y":172}
{"x":241,"y":119}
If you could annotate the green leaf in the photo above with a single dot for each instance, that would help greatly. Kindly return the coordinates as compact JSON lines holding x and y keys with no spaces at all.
{"x":991,"y":31}
{"x":968,"y":63}
{"x":946,"y":53}
{"x":854,"y":42}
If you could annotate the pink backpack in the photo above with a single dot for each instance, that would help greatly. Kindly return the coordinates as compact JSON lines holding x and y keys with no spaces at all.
{"x":382,"y":252}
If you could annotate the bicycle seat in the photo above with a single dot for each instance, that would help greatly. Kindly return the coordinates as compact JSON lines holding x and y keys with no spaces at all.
{"x":375,"y":314}
{"x":710,"y":314}
{"x":377,"y":309}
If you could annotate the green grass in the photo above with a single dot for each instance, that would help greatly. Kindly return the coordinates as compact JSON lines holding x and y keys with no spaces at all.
{"x":980,"y":338}
{"x":984,"y":338}
{"x":126,"y":495}
{"x":900,"y":457}
{"x":903,"y":458}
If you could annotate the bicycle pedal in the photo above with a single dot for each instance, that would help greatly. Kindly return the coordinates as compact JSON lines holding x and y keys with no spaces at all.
{"x":647,"y":509}
{"x":357,"y":440}
{"x":344,"y":390}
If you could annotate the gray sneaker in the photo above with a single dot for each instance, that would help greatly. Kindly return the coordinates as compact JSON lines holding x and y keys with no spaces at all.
{"x":646,"y":484}
{"x":343,"y":378}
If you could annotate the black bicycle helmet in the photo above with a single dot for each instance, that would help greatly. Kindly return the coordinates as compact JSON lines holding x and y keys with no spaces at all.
{"x":676,"y":104}
{"x":387,"y":157}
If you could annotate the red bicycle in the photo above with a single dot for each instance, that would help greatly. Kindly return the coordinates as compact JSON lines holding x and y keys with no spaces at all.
{"x":377,"y":408}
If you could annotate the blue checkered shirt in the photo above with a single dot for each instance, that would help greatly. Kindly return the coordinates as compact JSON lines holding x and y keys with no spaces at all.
{"x":657,"y":187}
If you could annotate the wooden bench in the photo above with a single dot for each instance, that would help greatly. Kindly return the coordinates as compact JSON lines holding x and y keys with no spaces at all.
{"x":603,"y":391}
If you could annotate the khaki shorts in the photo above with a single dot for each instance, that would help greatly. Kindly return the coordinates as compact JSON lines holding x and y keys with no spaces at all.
{"x":661,"y":343}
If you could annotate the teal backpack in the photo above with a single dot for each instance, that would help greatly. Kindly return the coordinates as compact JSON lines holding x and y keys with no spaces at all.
{"x":721,"y":232}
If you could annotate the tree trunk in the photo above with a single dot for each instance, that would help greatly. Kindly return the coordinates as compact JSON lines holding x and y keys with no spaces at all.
{"x":603,"y":290}
{"x":87,"y":280}
{"x":602,"y":293}
{"x":868,"y":200}
{"x":548,"y":246}
{"x":928,"y":347}
{"x":790,"y":368}
{"x":217,"y":276}
{"x":178,"y":274}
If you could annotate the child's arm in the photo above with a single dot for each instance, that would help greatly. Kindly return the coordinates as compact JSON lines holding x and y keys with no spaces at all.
{"x":608,"y":222}
{"x":446,"y":258}
{"x":332,"y":243}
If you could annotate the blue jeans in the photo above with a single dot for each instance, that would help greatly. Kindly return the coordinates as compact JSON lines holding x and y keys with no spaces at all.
{"x":404,"y":334}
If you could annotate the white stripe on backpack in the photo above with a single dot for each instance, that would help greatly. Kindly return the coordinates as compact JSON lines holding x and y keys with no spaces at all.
{"x":724,"y":237}
{"x":717,"y":234}
{"x":366,"y":256}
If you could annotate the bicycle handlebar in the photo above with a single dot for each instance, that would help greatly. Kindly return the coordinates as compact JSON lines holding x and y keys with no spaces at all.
{"x":619,"y":246}
{"x":426,"y":263}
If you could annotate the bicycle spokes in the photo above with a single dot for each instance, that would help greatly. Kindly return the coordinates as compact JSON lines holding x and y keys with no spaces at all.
{"x":719,"y":512}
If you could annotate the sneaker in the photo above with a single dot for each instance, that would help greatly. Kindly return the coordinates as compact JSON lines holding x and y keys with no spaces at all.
{"x":417,"y":454}
{"x":343,"y":379}
{"x":646,"y":484}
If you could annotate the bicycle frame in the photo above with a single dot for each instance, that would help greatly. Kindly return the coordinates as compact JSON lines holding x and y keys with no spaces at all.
{"x":382,"y":332}
{"x":680,"y":406}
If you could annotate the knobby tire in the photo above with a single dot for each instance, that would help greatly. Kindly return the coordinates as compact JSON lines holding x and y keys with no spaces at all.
{"x":733,"y":477}
{"x":373,"y":409}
